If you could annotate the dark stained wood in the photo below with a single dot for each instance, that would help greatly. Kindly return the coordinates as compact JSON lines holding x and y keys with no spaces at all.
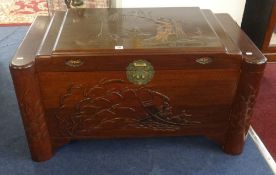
{"x":32,"y":112}
{"x":271,"y":57}
{"x":230,"y":46}
{"x":84,"y":91}
{"x":248,"y":87}
{"x":51,"y":34}
{"x":120,"y":62}
{"x":184,"y":91}
{"x":25,"y":55}
{"x":28,"y":93}
{"x":250,"y":53}
{"x":136,"y":29}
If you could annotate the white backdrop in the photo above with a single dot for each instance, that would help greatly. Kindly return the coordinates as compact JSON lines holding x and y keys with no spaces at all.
{"x":233,"y":7}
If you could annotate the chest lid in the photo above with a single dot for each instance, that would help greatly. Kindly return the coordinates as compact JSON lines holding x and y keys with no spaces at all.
{"x":128,"y":31}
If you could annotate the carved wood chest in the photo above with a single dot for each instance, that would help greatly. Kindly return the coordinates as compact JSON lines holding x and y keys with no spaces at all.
{"x":105,"y":73}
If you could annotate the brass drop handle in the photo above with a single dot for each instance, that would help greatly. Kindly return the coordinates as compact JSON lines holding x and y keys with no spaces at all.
{"x":74,"y":62}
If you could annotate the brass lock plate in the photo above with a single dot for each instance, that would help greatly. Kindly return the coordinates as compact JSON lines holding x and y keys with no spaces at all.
{"x":140,"y":72}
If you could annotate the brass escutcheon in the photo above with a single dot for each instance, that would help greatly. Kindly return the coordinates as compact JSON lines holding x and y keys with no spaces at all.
{"x":140,"y":72}
{"x":74,"y":62}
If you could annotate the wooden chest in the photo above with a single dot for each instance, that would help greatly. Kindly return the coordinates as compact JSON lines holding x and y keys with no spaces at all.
{"x":105,"y":73}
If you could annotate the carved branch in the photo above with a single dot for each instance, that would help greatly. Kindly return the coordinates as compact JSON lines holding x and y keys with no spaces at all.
{"x":87,"y":110}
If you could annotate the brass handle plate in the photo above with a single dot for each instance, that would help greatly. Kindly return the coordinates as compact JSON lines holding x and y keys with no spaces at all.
{"x":74,"y":62}
{"x":140,"y":72}
{"x":204,"y":60}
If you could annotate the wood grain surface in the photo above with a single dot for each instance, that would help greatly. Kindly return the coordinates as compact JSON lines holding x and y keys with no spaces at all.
{"x":205,"y":77}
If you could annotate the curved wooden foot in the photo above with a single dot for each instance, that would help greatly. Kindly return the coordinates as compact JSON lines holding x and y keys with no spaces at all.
{"x":41,"y":152}
{"x":234,"y":144}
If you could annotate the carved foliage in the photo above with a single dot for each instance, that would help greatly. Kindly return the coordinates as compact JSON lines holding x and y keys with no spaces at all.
{"x":241,"y":119}
{"x":31,"y":110}
{"x":30,"y":105}
{"x":111,"y":105}
{"x":242,"y":109}
{"x":167,"y":32}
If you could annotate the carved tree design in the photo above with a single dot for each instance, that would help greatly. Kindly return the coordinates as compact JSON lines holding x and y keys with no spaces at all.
{"x":35,"y":126}
{"x":109,"y":105}
{"x":168,"y":32}
{"x":240,"y":121}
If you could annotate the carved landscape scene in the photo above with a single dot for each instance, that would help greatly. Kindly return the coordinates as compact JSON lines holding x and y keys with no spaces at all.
{"x":111,"y":105}
{"x":142,"y":29}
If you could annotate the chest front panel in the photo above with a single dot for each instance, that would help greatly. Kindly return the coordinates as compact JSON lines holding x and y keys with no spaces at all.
{"x":87,"y":104}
